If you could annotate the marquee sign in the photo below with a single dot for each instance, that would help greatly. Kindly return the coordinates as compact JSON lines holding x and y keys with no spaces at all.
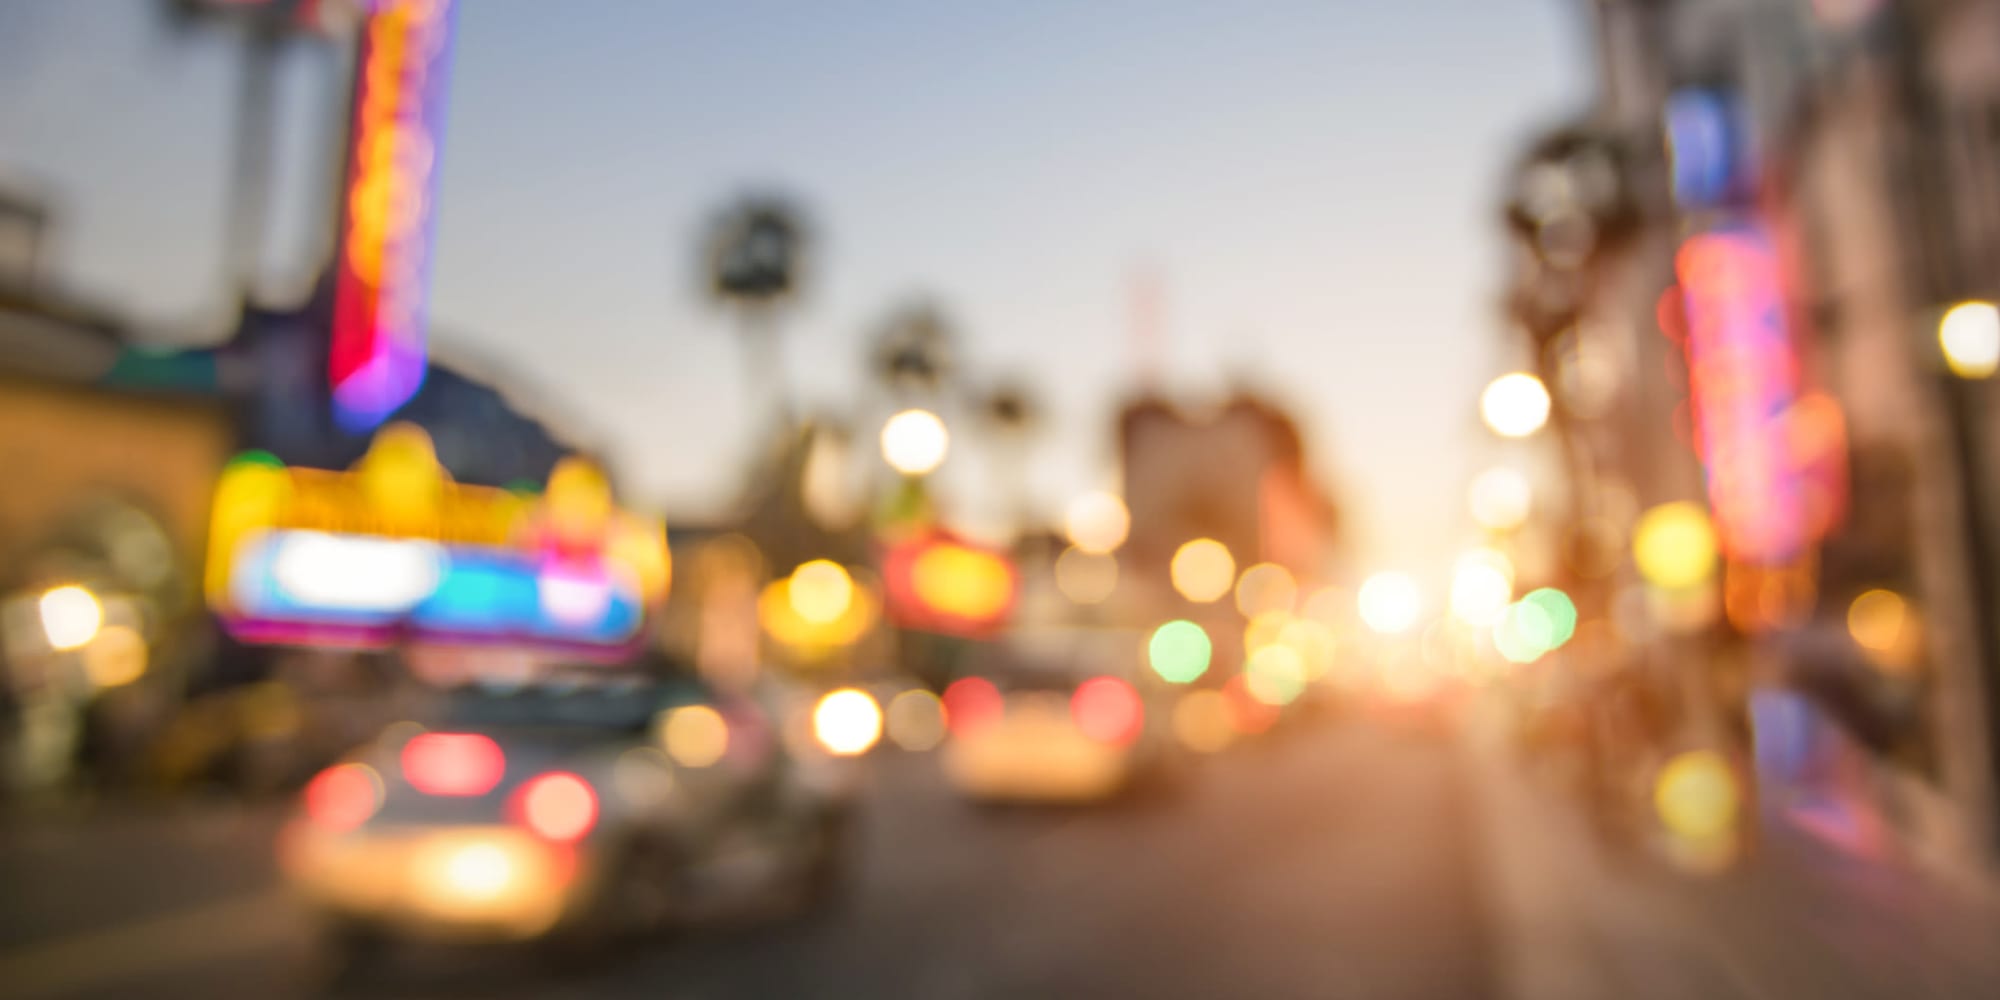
{"x":394,"y":549}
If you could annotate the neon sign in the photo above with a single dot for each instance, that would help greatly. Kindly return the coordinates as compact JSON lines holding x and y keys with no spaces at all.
{"x":1708,"y":143}
{"x":939,"y":584}
{"x":394,"y":548}
{"x":1774,"y":458}
{"x":377,"y":361}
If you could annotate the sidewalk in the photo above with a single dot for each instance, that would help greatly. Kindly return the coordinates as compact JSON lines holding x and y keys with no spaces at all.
{"x":1798,"y":919}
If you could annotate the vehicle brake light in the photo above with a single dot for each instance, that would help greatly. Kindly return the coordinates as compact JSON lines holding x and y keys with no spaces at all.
{"x":453,"y":763}
{"x":1107,"y":709}
{"x":343,"y":796}
{"x":557,"y":806}
{"x":971,"y":702}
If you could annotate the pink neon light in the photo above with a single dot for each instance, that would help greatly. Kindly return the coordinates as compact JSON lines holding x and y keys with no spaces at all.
{"x":377,"y":358}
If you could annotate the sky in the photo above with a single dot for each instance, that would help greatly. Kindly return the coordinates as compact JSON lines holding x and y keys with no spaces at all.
{"x":1313,"y":184}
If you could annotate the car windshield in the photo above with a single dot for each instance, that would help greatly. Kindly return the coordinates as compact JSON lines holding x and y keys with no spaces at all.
{"x":584,"y":698}
{"x":624,"y":706}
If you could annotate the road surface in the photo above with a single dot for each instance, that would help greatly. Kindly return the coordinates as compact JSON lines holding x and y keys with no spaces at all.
{"x":1336,"y":861}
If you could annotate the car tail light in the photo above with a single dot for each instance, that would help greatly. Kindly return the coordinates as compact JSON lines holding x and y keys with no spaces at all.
{"x":971,"y":702}
{"x":343,"y":796}
{"x":1107,"y":709}
{"x":557,"y":806}
{"x":453,"y":763}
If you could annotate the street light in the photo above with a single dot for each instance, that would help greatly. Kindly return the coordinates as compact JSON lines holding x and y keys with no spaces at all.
{"x":1969,"y":333}
{"x":820,"y":591}
{"x":1515,"y":405}
{"x":1097,"y":522}
{"x":1481,"y":586}
{"x":914,"y":442}
{"x":1203,"y":570}
{"x":71,"y":617}
{"x":1389,"y":602}
{"x":1674,"y":545}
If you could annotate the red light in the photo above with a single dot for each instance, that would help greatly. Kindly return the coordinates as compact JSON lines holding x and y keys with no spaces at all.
{"x":1107,"y":710}
{"x":342,"y":797}
{"x":1246,"y":713}
{"x":971,"y":702}
{"x":558,"y":806}
{"x":453,"y":763}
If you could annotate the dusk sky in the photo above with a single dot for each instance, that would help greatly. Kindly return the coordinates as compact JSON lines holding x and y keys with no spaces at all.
{"x":1314,"y":183}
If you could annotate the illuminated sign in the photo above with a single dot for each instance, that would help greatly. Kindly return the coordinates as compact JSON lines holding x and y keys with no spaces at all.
{"x":395,"y":549}
{"x":939,"y":584}
{"x":1774,"y":457}
{"x":377,"y":361}
{"x":1709,"y":145}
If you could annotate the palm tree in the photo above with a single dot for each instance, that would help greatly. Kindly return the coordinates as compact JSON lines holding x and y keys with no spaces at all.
{"x":753,"y":255}
{"x":913,"y":351}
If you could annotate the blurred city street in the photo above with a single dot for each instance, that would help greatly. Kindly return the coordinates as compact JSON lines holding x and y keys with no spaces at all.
{"x":1336,"y":862}
{"x":1350,"y":860}
{"x":1461,"y":500}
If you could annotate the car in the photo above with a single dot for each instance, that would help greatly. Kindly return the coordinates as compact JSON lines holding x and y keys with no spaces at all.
{"x":580,"y":807}
{"x":1058,"y":715}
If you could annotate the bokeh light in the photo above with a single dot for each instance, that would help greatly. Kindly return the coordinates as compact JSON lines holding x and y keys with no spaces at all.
{"x":1275,"y":675}
{"x":695,"y":735}
{"x":1202,"y":721}
{"x":1888,"y":628}
{"x":1674,"y":545}
{"x":1524,"y":632}
{"x":1203,"y":570}
{"x":820,"y":591}
{"x":559,"y":806}
{"x":1515,"y":405}
{"x":458,"y":764}
{"x":1264,"y":630}
{"x":1389,"y":602}
{"x":1561,"y":612}
{"x":915,"y":720}
{"x":914,"y":442}
{"x":116,"y":657}
{"x":1097,"y":522}
{"x":1969,"y":334}
{"x":847,"y":722}
{"x":963,"y":581}
{"x":1108,"y":710}
{"x":1315,"y":644}
{"x":971,"y":702}
{"x":1875,"y":619}
{"x":343,"y":796}
{"x":477,"y":870}
{"x":1086,"y":577}
{"x":71,"y":616}
{"x":1696,"y":795}
{"x":1266,"y":587}
{"x":1481,"y":585}
{"x":1179,"y":651}
{"x":1500,"y":498}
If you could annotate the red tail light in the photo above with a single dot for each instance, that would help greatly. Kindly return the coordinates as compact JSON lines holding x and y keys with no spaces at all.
{"x":557,"y":806}
{"x":342,"y":797}
{"x":971,"y":702}
{"x":1107,"y":710}
{"x":453,"y":763}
